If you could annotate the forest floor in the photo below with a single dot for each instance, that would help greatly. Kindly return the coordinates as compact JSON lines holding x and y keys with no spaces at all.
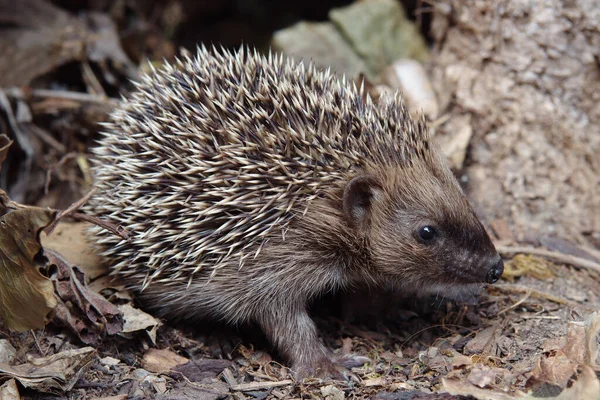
{"x":533,"y":334}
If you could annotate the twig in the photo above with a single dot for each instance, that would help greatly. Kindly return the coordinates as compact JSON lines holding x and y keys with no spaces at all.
{"x":540,"y":295}
{"x":55,"y":167}
{"x":114,"y":229}
{"x":559,"y":257}
{"x":68,"y":211}
{"x":90,"y":78}
{"x":66,"y":95}
{"x":248,"y":387}
{"x":72,"y":212}
{"x":517,"y":304}
{"x":47,"y":138}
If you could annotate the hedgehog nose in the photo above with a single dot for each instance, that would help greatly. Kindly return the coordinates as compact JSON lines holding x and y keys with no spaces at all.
{"x":495,"y":271}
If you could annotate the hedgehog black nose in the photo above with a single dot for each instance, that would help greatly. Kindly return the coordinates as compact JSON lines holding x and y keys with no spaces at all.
{"x":496,"y":271}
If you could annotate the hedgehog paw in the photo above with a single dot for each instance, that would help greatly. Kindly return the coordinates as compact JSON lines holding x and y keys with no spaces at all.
{"x":326,"y":368}
{"x":351,"y":360}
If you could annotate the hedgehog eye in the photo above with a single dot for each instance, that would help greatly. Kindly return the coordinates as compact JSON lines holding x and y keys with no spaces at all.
{"x":427,"y":233}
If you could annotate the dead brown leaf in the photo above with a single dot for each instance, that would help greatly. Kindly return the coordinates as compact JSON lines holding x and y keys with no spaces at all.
{"x":553,"y":367}
{"x":460,"y":387}
{"x":160,"y":360}
{"x":136,"y":320}
{"x":482,"y":340}
{"x":9,"y":390}
{"x":482,"y":376}
{"x":587,"y":387}
{"x":581,"y":344}
{"x":37,"y":37}
{"x":26,"y":296}
{"x":56,"y":373}
{"x":70,"y":240}
{"x":86,"y":313}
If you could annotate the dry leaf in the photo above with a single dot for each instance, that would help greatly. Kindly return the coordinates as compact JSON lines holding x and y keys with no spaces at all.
{"x":332,"y":392}
{"x":136,"y":320}
{"x":204,"y":369}
{"x":587,"y":387}
{"x":374,"y":382}
{"x":26,"y":296}
{"x":156,"y":360}
{"x":56,"y":373}
{"x":9,"y":391}
{"x":86,"y":313}
{"x":482,"y":376}
{"x":7,"y":352}
{"x":480,"y":341}
{"x":70,"y":240}
{"x":553,"y":367}
{"x":592,"y":324}
{"x":38,"y":37}
{"x":458,"y":387}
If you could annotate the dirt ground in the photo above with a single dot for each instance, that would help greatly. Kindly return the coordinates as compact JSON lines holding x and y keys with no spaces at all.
{"x":516,"y":109}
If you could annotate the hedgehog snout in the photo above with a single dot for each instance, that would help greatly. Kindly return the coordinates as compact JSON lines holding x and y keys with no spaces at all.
{"x":496,"y":268}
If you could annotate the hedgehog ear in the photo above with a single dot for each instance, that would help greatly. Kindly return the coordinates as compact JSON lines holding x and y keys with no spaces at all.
{"x":358,"y":198}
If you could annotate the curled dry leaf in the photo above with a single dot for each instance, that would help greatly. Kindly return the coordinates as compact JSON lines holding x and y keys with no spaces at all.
{"x":89,"y":315}
{"x":26,"y":296}
{"x":56,"y":373}
{"x":557,"y":367}
{"x":554,"y":368}
{"x":136,"y":320}
{"x":582,"y":342}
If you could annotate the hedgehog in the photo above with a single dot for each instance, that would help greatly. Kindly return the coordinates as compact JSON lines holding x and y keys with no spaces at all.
{"x":252,"y":185}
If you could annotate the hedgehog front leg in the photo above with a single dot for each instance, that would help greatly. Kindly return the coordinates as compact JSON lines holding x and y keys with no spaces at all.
{"x":295,"y":335}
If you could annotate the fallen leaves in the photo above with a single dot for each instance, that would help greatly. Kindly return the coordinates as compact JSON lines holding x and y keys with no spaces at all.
{"x":137,"y":321}
{"x":580,"y":350}
{"x":38,"y":37}
{"x":162,"y":360}
{"x":70,"y":240}
{"x":563,"y":371}
{"x":26,"y":296}
{"x":86,"y":313}
{"x":57,"y":373}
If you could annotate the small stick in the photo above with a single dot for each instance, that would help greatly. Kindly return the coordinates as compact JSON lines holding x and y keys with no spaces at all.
{"x":72,"y":208}
{"x":55,"y":167}
{"x":559,"y":257}
{"x":516,"y":304}
{"x":540,"y":295}
{"x":72,"y":212}
{"x":112,"y":228}
{"x":248,"y":387}
{"x":66,"y":95}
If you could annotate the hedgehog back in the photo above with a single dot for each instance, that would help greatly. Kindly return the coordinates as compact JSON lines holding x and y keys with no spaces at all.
{"x":214,"y":153}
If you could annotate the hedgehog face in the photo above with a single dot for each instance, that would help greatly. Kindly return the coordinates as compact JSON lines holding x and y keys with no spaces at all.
{"x":420,"y":234}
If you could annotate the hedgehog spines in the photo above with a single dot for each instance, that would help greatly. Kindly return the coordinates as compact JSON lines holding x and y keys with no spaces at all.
{"x":217,"y":152}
